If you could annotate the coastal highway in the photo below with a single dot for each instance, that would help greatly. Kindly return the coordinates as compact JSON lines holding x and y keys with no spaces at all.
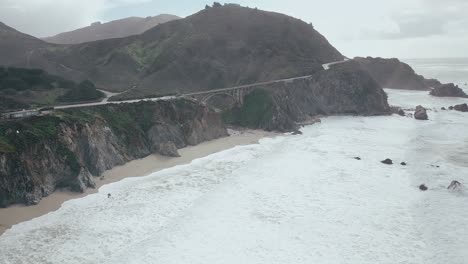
{"x":109,"y":94}
{"x":327,"y":66}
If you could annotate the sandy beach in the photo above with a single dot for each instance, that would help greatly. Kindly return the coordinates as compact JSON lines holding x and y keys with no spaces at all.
{"x":18,"y":213}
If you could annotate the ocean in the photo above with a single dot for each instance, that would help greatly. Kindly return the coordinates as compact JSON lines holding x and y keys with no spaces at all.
{"x":447,"y":70}
{"x":288,"y":199}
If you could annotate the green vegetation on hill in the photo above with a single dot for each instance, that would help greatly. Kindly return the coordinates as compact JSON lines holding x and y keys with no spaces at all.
{"x":18,"y":135}
{"x":8,"y":103}
{"x":85,"y":91}
{"x":218,"y":47}
{"x":256,"y":110}
{"x":18,"y":79}
{"x":26,"y":88}
{"x":127,"y":121}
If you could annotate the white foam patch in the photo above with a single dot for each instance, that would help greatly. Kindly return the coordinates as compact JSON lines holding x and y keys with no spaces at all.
{"x":293,"y":199}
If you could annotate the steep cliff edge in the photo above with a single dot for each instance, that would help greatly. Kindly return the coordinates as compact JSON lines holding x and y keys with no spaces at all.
{"x":70,"y":148}
{"x":343,"y":89}
{"x":392,"y":73}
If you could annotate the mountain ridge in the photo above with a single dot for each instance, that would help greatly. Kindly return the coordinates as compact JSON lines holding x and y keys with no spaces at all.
{"x":113,"y":29}
{"x":216,"y":47}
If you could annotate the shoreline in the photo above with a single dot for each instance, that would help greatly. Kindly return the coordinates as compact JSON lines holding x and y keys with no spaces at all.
{"x":18,"y":213}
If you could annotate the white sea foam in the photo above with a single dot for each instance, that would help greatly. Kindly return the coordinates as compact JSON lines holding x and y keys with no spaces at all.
{"x":291,"y":199}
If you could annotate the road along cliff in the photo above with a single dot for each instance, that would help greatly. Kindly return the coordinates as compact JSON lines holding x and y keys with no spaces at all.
{"x":345,"y":88}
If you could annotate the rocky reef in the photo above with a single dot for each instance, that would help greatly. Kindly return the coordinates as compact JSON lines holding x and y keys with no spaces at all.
{"x":392,"y":73}
{"x":448,"y":90}
{"x":460,"y":107}
{"x":344,"y":89}
{"x":420,"y":113}
{"x":71,"y":147}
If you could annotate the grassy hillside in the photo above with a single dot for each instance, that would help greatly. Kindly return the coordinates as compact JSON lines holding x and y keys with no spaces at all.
{"x":26,"y":88}
{"x":217,"y":47}
{"x":256,"y":110}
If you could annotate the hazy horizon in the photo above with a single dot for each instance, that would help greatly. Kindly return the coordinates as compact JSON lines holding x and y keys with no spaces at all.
{"x":404,"y":29}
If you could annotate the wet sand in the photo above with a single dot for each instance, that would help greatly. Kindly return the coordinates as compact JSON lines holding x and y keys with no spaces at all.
{"x":18,"y":213}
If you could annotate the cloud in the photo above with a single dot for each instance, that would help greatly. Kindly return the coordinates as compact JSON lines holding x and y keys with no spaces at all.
{"x":43,"y":18}
{"x":430,"y":18}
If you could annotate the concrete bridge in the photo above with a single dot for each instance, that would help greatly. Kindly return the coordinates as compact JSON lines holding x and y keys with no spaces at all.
{"x":237,"y":93}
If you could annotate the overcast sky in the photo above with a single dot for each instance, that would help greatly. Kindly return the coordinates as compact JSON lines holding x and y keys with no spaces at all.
{"x":386,"y":28}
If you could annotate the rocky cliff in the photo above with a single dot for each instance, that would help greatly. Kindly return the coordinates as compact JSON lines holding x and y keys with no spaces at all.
{"x":70,"y":148}
{"x":344,"y":89}
{"x":392,"y":73}
{"x":448,"y":90}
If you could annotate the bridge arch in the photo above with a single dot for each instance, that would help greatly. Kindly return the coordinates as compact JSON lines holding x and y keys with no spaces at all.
{"x":210,"y":96}
{"x":220,"y":101}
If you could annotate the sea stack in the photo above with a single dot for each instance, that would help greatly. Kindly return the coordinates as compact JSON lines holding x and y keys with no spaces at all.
{"x":420,"y":113}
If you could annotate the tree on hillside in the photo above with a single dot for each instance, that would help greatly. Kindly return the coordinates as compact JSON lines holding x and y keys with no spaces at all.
{"x":217,"y":4}
{"x":85,"y":91}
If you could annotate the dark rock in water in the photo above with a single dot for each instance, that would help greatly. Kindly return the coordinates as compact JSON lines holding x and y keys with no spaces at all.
{"x":454,"y":185}
{"x":297,"y":132}
{"x":403,"y":164}
{"x":420,"y":113}
{"x":357,"y":158}
{"x":451,"y":108}
{"x":387,"y":161}
{"x":448,"y":90}
{"x":443,"y":108}
{"x":461,"y":107}
{"x":423,"y":187}
{"x":397,"y":110}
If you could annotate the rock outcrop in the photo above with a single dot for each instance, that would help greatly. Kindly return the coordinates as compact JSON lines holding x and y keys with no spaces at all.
{"x":420,"y":113}
{"x":397,"y":110}
{"x":392,"y":73}
{"x":387,"y":161}
{"x":448,"y":90}
{"x":461,"y":107}
{"x":71,"y":147}
{"x":343,"y":89}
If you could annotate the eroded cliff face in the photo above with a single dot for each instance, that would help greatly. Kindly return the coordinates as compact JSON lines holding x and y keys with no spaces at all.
{"x":72,"y":147}
{"x":344,"y":89}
